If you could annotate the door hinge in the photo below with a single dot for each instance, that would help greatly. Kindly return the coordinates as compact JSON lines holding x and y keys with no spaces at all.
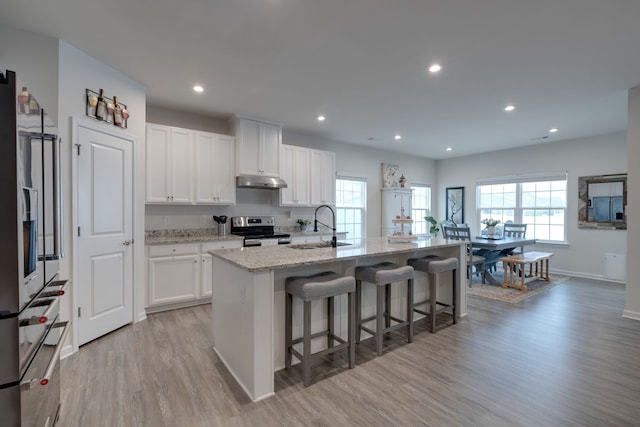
{"x":78,"y":148}
{"x":79,"y":312}
{"x":78,"y":231}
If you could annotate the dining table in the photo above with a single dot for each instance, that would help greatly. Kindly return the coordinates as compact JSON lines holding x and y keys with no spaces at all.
{"x":494,"y":248}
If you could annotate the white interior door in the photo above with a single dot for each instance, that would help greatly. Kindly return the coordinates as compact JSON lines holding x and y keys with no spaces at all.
{"x":105,"y":219}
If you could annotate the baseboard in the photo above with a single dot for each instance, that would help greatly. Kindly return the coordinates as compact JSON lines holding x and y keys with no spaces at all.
{"x":66,"y":351}
{"x":140,"y":317}
{"x":173,"y":306}
{"x":584,"y":275}
{"x":633,"y":315}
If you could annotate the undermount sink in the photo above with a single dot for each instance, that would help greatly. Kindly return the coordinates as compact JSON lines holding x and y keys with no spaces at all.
{"x":315,"y":245}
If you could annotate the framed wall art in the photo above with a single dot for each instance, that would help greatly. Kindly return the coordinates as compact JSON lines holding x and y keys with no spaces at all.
{"x":455,"y":204}
{"x":390,"y":175}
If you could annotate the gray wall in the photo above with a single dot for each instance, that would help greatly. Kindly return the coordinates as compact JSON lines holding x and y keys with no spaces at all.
{"x":35,"y":60}
{"x":632,"y":301}
{"x":607,"y":154}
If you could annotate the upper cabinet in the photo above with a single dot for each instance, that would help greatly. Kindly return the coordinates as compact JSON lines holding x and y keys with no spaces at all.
{"x":310,"y":176}
{"x":214,"y":169}
{"x":186,"y":166}
{"x":169,"y":153}
{"x":323,"y":177}
{"x":258,"y":148}
{"x":295,"y":172}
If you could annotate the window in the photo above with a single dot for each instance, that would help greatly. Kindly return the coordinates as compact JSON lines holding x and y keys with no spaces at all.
{"x":538,"y":201}
{"x":351,"y":202}
{"x":420,"y":207}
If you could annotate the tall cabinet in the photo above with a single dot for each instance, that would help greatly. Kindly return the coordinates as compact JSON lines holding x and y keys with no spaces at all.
{"x":214,"y":169}
{"x":169,"y":165}
{"x":395,"y":202}
{"x":295,"y":172}
{"x":323,"y":177}
{"x":258,"y":149}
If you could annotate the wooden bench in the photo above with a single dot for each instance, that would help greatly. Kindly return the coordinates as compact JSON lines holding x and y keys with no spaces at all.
{"x":515,"y":269}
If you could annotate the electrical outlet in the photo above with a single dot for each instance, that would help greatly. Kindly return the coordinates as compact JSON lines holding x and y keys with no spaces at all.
{"x":167,"y":220}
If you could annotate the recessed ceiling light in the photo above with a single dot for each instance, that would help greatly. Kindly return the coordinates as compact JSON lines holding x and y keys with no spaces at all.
{"x":553,"y":130}
{"x":509,"y":108}
{"x":397,"y":137}
{"x":198,"y":88}
{"x":321,"y":118}
{"x":435,"y":68}
{"x":449,"y":149}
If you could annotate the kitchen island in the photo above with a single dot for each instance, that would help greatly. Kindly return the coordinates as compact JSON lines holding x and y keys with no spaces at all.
{"x":249,"y":298}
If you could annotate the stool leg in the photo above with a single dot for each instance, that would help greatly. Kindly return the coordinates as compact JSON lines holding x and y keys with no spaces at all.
{"x":387,"y":305}
{"x":454,"y":301}
{"x":432,"y":301}
{"x":352,"y":330}
{"x":410,"y":310}
{"x":306,"y":343}
{"x":287,"y":328}
{"x":379,"y":318}
{"x":330,"y":321}
{"x":358,"y":309}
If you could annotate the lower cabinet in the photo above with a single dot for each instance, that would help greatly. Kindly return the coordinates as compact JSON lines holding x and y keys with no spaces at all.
{"x":180,"y":275}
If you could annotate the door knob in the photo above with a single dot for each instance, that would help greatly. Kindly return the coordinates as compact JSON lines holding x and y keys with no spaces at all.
{"x":126,"y":242}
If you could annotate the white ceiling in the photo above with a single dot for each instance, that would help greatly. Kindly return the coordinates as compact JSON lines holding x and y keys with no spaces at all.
{"x":563,"y":63}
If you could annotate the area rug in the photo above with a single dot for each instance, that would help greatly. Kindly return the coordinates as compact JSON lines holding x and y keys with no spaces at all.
{"x":512,"y":295}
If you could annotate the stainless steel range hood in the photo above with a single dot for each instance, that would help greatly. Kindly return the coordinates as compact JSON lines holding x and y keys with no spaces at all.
{"x":257,"y":181}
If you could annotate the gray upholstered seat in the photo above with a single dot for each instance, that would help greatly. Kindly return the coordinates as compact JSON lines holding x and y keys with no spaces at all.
{"x":328,"y":285}
{"x":383,"y":275}
{"x":322,"y":285}
{"x":385,"y":272}
{"x":434,"y":266}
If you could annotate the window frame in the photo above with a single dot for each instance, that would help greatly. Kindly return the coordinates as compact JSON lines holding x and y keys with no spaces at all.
{"x":418,"y":220}
{"x":344,"y":176}
{"x":518,"y":207}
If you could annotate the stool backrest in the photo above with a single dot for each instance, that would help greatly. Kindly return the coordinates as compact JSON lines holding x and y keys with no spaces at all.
{"x":515,"y":230}
{"x":457,"y":233}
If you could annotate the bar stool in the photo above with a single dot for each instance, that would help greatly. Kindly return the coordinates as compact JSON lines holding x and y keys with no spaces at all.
{"x":383,"y":275}
{"x":327,"y":284}
{"x":434,"y":265}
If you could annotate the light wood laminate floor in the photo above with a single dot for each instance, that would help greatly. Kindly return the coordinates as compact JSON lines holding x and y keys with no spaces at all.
{"x":565,"y":357}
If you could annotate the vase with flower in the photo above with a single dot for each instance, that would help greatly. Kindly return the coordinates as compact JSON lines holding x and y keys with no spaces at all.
{"x":490,"y":226}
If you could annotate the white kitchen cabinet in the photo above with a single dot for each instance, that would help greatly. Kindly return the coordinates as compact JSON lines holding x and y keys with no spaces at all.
{"x":206,"y":278}
{"x":258,"y":148}
{"x":395,"y":201}
{"x":214,"y":169}
{"x":295,"y":172}
{"x":323,"y":177}
{"x":174,"y":274}
{"x":169,"y":153}
{"x":206,"y":281}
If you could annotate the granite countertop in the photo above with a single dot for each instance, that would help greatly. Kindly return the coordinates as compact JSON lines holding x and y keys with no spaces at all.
{"x":196,"y":235}
{"x":158,"y":237}
{"x":263,"y":258}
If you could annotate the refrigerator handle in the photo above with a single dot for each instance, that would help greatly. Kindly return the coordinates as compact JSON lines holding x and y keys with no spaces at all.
{"x":58,"y":247}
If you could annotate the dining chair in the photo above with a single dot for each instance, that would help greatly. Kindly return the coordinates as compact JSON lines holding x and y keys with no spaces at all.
{"x":477,"y":261}
{"x":515,"y":230}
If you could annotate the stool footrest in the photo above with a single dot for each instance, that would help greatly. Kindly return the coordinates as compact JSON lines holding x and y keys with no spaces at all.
{"x":327,"y":350}
{"x":313,"y":336}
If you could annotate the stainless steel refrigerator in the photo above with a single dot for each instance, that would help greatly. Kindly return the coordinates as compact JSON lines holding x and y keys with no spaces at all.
{"x":31,"y":335}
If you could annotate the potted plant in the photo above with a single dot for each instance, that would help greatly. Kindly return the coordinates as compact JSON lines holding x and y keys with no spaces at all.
{"x":490,"y":224}
{"x":433,"y":228}
{"x":303,"y":223}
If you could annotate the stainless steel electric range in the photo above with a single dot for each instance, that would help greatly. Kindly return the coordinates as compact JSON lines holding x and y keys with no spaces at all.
{"x":258,"y":231}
